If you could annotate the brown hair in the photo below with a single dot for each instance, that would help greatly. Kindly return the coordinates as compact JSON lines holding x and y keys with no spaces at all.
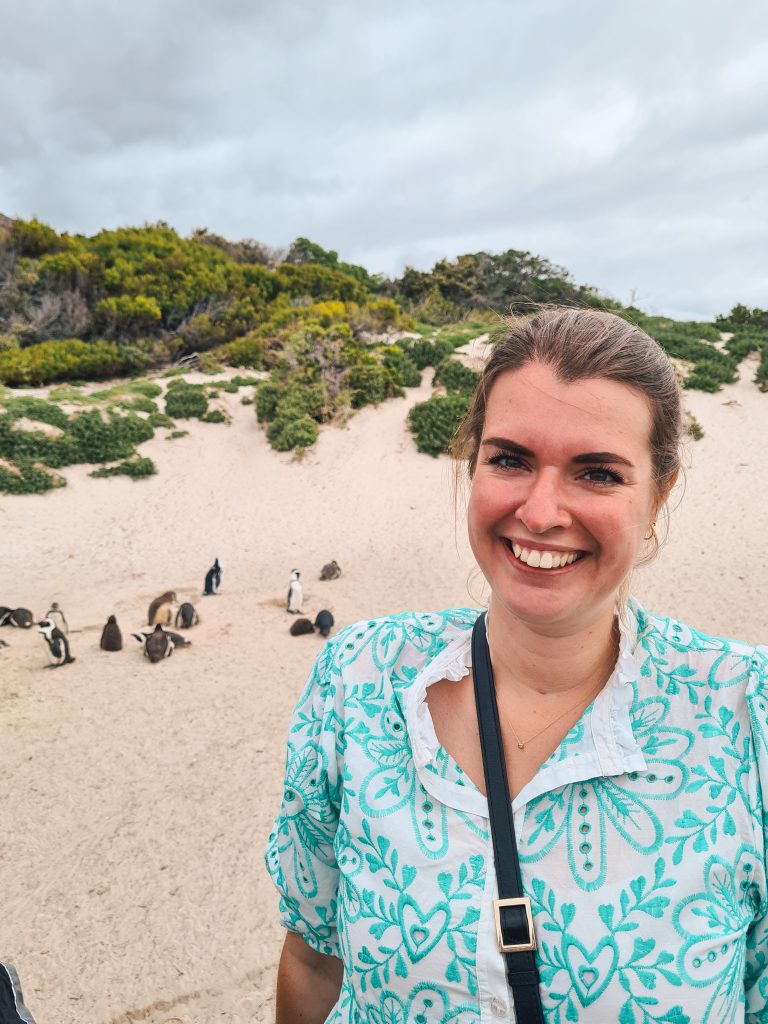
{"x":579,"y":344}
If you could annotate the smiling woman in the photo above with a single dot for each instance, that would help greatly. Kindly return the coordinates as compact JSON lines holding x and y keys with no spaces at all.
{"x":630,"y":743}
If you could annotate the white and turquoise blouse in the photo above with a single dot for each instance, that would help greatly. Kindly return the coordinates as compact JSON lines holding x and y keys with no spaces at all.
{"x":642,"y":839}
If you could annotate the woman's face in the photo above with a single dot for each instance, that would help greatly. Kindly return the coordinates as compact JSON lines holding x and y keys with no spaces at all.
{"x":561,"y":497}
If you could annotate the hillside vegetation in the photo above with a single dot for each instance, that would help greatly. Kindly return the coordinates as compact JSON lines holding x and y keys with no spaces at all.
{"x":330,"y":336}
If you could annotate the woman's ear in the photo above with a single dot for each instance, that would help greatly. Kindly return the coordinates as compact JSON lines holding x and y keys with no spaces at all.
{"x":665,"y":491}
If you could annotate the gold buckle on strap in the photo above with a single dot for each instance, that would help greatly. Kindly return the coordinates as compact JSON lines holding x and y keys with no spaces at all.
{"x":514,"y":947}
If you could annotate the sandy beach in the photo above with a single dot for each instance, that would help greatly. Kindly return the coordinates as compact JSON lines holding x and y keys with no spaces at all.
{"x":137,"y":798}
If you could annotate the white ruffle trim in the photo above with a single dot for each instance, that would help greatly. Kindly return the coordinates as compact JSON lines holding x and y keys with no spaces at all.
{"x":452,"y":663}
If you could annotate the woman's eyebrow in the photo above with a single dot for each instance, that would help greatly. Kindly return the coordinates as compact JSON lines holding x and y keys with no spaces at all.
{"x":518,"y":449}
{"x":603,"y":457}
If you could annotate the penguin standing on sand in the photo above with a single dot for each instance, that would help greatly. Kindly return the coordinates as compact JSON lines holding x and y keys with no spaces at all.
{"x":213,"y":579}
{"x":56,"y":615}
{"x":295,"y":594}
{"x":58,"y":645}
{"x":111,"y":637}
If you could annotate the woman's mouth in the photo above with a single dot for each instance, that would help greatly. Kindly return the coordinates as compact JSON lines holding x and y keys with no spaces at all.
{"x":536,"y":558}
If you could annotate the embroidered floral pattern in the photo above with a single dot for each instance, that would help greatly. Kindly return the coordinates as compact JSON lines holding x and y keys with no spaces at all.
{"x":647,"y":879}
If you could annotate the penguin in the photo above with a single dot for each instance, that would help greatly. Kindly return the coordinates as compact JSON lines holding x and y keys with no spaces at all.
{"x":324,"y":622}
{"x":330,"y":571}
{"x":5,"y":615}
{"x":295,"y":594}
{"x":22,"y":617}
{"x":301,"y":626}
{"x":157,"y":645}
{"x":160,"y":611}
{"x":12,"y":1008}
{"x":111,"y":637}
{"x":213,"y":579}
{"x":188,"y":616}
{"x":56,"y":615}
{"x":58,"y":645}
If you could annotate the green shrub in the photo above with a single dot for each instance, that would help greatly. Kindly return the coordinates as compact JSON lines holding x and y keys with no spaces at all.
{"x":30,"y":479}
{"x":455,"y":377}
{"x":403,"y":369}
{"x":287,"y":434}
{"x":268,"y":394}
{"x":435,"y":422}
{"x":137,"y":468}
{"x":187,"y":401}
{"x":176,"y":433}
{"x":214,"y":416}
{"x":245,"y":400}
{"x":695,"y":429}
{"x":104,"y":441}
{"x":51,"y":361}
{"x":246,"y":351}
{"x":425,"y":353}
{"x":710,"y":375}
{"x":370,"y":384}
{"x":160,"y":419}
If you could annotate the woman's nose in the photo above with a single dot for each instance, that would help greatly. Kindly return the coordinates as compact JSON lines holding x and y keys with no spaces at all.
{"x":544,"y":505}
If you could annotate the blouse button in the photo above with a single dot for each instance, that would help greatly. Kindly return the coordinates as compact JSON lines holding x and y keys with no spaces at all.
{"x":498,"y":1008}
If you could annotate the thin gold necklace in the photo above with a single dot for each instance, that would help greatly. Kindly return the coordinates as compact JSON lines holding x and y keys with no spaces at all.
{"x":521,"y":744}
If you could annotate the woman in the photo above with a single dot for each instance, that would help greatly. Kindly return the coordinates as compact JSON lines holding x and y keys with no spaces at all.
{"x":636,"y":747}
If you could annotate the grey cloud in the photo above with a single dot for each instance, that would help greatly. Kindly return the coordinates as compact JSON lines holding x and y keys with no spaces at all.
{"x":627,"y":143}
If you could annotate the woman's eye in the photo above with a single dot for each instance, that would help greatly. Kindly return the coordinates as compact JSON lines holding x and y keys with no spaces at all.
{"x":602,"y":476}
{"x":506,"y":461}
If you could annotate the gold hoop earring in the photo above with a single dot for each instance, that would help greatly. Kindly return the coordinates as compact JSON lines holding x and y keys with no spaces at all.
{"x":651,"y":535}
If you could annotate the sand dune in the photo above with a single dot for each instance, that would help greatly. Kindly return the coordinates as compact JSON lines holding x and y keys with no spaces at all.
{"x":137,"y":798}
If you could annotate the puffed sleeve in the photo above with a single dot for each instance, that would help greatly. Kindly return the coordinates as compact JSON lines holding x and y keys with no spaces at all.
{"x":756,"y":970}
{"x":300,"y":854}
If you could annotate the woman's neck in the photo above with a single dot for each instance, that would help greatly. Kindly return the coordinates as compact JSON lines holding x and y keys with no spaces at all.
{"x":554,"y":663}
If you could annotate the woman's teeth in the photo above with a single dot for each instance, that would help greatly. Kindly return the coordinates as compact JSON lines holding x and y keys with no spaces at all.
{"x":544,"y":559}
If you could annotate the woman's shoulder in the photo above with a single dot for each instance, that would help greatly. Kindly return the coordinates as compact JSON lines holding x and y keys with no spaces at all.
{"x":390,"y":641}
{"x":675,"y":640}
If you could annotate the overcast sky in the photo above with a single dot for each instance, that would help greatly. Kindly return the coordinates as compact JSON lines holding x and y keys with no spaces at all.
{"x":626,"y":141}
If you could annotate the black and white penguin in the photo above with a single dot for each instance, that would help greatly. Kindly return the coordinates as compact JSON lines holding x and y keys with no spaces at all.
{"x":12,"y":1008}
{"x":213,"y":579}
{"x":111,"y":637}
{"x":330,"y":571}
{"x":22,"y":617}
{"x":186,"y":616}
{"x":157,"y":644}
{"x":56,"y":615}
{"x":295,"y":594}
{"x":58,"y":645}
{"x":5,"y":615}
{"x":300,"y":627}
{"x":324,"y":622}
{"x":160,"y":611}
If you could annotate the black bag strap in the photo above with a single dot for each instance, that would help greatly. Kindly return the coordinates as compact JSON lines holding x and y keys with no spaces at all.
{"x":512,"y":910}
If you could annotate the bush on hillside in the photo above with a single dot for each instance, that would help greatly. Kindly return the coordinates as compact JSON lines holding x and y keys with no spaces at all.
{"x":27,"y":477}
{"x":247,"y":351}
{"x":435,"y":422}
{"x":100,"y":440}
{"x":137,"y":468}
{"x":286,"y":434}
{"x":424,"y":352}
{"x":371,"y":383}
{"x":404,"y":370}
{"x":70,"y":359}
{"x":185,"y":401}
{"x":455,"y":377}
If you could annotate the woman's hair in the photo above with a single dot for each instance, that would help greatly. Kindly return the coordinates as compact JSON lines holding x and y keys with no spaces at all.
{"x":578,"y":344}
